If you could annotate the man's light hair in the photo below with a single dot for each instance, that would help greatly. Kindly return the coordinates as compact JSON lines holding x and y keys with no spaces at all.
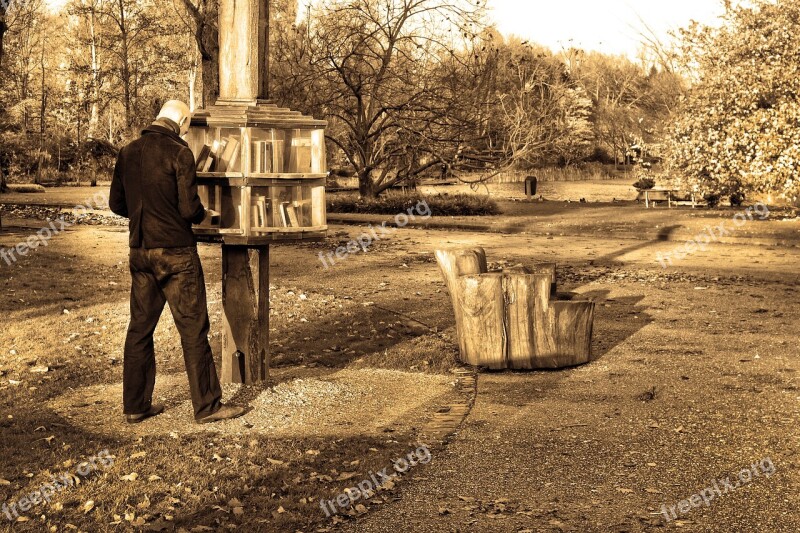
{"x":178,"y":112}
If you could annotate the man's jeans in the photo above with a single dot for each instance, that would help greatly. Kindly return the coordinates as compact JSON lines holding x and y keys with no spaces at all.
{"x":173,"y":275}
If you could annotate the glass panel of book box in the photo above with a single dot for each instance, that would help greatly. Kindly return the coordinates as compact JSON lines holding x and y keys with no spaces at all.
{"x":217,"y":150}
{"x":291,"y":208}
{"x":226,"y":200}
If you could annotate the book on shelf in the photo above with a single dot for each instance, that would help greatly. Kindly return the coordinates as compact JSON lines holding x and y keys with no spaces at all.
{"x":261,"y":157}
{"x":300,"y":158}
{"x":284,"y":214}
{"x":261,"y":203}
{"x":210,"y":159}
{"x":228,"y":160}
{"x":255,"y":214}
{"x":208,"y":166}
{"x":291,"y":214}
{"x":205,"y":153}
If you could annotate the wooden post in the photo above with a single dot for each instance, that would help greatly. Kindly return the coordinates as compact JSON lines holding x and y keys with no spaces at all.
{"x":243,"y":29}
{"x":245,"y":314}
{"x":243,"y":76}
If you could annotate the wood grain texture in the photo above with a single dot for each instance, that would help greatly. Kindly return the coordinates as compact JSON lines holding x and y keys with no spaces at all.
{"x":549,"y":268}
{"x":573,"y":332}
{"x":483,"y":323}
{"x":544,"y":341}
{"x":245,"y":314}
{"x":455,"y":263}
{"x":520,"y":305}
{"x":239,"y":52}
{"x":512,"y":319}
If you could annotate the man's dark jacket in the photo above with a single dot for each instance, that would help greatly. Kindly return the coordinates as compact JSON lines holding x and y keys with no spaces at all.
{"x":155,"y":186}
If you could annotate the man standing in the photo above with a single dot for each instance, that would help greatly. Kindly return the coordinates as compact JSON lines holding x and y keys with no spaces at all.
{"x":155,"y":187}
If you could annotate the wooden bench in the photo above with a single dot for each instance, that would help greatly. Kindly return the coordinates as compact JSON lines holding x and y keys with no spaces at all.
{"x":664,"y":195}
{"x":511,"y":319}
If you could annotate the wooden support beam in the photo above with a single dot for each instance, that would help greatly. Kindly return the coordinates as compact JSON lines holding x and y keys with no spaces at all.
{"x":245,"y":314}
{"x":243,"y":52}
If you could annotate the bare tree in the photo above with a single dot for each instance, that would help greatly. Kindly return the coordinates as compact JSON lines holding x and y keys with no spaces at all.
{"x":204,"y":25}
{"x":374,"y":69}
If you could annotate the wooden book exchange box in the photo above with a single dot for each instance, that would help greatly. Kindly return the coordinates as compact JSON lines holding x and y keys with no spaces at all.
{"x":263,"y":169}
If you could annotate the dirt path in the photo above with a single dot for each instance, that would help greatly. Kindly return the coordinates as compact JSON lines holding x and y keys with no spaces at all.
{"x":697,"y":379}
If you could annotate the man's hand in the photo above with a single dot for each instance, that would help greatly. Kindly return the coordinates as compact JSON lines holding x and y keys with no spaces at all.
{"x":212,"y":217}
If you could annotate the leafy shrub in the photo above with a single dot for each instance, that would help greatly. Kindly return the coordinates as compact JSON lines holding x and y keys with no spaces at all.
{"x":343,"y":172}
{"x":393,"y":203}
{"x":737,"y":127}
{"x":737,"y":198}
{"x":645,"y":183}
{"x":25,"y":187}
{"x":712,"y":199}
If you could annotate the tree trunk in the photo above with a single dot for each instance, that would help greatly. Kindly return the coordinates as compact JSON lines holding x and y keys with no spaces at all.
{"x":3,"y":30}
{"x":206,"y":34}
{"x":483,"y":331}
{"x":366,"y":185}
{"x":126,"y":69}
{"x":510,"y":319}
{"x":192,"y":79}
{"x":94,"y":117}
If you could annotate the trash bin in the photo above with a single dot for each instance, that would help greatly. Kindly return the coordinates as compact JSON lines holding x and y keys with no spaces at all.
{"x":530,"y":186}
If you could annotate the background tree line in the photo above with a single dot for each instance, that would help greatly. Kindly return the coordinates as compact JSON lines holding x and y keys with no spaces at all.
{"x":409,"y":87}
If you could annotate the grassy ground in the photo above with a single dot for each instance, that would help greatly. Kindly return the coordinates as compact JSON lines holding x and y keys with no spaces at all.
{"x":724,"y":318}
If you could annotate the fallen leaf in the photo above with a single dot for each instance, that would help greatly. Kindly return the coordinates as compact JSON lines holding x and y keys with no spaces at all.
{"x":138,"y":455}
{"x":130,"y":477}
{"x":88,"y":506}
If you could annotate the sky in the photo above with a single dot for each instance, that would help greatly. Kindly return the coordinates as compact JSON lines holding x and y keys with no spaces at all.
{"x":608,"y":26}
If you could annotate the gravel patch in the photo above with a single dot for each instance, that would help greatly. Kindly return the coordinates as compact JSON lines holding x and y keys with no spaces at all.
{"x":350,"y":402}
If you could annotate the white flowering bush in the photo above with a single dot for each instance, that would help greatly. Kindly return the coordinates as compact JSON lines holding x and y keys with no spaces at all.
{"x":738,"y":128}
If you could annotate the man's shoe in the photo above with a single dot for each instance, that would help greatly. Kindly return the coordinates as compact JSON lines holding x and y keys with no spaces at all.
{"x":155,"y":410}
{"x":225,"y":412}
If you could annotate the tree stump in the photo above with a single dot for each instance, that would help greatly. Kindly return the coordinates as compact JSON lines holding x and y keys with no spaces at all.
{"x":511,"y":319}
